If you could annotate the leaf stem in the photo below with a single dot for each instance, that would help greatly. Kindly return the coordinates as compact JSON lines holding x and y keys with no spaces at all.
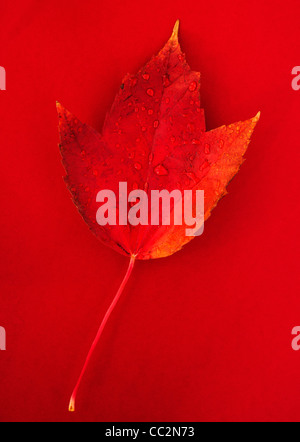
{"x":101,"y":328}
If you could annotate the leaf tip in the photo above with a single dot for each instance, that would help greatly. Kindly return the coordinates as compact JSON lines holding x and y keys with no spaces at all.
{"x":58,"y":106}
{"x":257,"y":117}
{"x":72,"y":405}
{"x":174,"y":36}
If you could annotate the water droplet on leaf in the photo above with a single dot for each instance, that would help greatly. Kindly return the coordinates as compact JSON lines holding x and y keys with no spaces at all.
{"x":166,"y":81}
{"x":160,"y":170}
{"x":150,"y":92}
{"x":193,"y":86}
{"x":207,"y":149}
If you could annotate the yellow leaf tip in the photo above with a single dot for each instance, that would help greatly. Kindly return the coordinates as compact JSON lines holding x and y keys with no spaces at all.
{"x":174,"y":36}
{"x":72,"y":405}
{"x":257,"y":117}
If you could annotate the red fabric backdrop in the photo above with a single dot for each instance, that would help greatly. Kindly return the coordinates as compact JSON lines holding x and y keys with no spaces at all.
{"x":204,"y":334}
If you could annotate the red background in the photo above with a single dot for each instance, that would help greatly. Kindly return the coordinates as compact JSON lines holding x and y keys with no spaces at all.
{"x":204,"y":334}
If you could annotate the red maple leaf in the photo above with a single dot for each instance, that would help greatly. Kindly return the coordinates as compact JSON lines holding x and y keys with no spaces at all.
{"x":153,"y":138}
